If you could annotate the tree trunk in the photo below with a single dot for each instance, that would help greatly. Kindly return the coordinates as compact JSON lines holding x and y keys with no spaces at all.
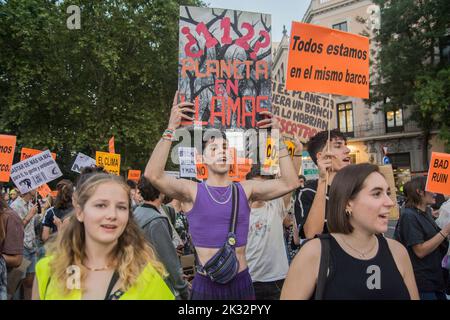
{"x":426,"y":138}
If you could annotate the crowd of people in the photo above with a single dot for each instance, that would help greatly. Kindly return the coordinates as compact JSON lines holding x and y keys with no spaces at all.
{"x":266,"y":237}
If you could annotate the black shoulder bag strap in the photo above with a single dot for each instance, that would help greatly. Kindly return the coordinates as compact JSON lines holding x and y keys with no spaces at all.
{"x":112,"y":283}
{"x":234,"y":214}
{"x":323,"y":268}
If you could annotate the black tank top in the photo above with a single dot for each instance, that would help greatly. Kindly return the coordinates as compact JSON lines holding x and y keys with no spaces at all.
{"x":355,"y":279}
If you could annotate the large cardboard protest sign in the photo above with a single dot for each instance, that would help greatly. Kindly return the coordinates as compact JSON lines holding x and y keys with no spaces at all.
{"x":82,"y":161}
{"x":35,"y":171}
{"x":7,"y":147}
{"x":26,"y":153}
{"x":109,"y":161}
{"x":438,"y":174}
{"x":301,"y":114}
{"x":225,"y":65}
{"x":328,"y":61}
{"x":388,"y":173}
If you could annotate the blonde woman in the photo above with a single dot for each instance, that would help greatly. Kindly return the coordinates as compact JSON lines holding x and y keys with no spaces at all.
{"x":101,"y":253}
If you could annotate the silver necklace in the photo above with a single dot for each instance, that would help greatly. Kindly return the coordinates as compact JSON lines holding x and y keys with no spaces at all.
{"x":229,"y":197}
{"x":360,"y":253}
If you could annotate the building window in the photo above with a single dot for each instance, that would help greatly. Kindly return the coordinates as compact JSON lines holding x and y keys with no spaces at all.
{"x":400,"y":160}
{"x":345,"y":118}
{"x":394,"y":121}
{"x":341,"y":26}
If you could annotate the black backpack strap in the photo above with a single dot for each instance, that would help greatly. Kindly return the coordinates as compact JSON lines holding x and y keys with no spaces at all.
{"x":324,"y":266}
{"x":112,"y":283}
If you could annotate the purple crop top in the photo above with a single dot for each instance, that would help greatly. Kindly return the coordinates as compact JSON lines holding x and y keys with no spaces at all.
{"x":209,"y":221}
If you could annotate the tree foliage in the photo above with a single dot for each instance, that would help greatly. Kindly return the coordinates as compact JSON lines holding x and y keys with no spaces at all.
{"x":71,"y":90}
{"x":408,"y":60}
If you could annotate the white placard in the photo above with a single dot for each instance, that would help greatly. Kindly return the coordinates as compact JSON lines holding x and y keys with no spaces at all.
{"x":35,"y":171}
{"x":82,"y":161}
{"x":309,"y":168}
{"x":187,"y":162}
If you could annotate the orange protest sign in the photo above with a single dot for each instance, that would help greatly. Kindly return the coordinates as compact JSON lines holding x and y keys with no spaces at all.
{"x":327,"y":61}
{"x":111,"y":145}
{"x":44,"y":190}
{"x":54,"y":194}
{"x":26,"y":153}
{"x":7,"y":146}
{"x":233,"y":168}
{"x":134,"y":175}
{"x":202,"y":171}
{"x":438,"y":173}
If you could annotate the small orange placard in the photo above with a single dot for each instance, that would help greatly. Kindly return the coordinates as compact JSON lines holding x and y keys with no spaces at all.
{"x":7,"y":146}
{"x":26,"y":153}
{"x":44,"y":190}
{"x":438,"y":174}
{"x":134,"y":175}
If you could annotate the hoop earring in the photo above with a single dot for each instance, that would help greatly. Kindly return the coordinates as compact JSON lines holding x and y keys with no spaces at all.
{"x":348,"y":213}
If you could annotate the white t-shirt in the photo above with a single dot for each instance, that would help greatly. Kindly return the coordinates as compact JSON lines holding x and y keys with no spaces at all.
{"x":266,"y":252}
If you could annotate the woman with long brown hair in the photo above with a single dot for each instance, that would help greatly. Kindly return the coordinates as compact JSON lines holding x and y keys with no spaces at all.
{"x":427,"y":244}
{"x":62,"y":207}
{"x":100,"y":253}
{"x":362,"y":264}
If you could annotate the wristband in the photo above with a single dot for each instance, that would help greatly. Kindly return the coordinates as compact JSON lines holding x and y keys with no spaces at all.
{"x":168,"y":134}
{"x":287,"y":155}
{"x":297,"y":155}
{"x":442,"y":235}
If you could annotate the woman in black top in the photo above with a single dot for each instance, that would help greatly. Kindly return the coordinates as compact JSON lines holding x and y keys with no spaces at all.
{"x":427,"y":244}
{"x":364,"y":265}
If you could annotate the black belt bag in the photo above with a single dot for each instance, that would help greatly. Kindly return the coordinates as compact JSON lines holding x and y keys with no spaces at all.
{"x":224,"y":265}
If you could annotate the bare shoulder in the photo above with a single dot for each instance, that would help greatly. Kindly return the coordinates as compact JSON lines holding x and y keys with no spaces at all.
{"x":247,"y":185}
{"x":400,"y":254}
{"x":396,"y":247}
{"x":190,"y":189}
{"x":310,"y":251}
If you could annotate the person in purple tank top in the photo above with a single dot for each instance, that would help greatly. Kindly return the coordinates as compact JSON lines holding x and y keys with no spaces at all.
{"x":208,"y":204}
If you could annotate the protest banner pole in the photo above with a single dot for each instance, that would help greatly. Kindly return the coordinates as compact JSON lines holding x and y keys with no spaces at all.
{"x":328,"y":145}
